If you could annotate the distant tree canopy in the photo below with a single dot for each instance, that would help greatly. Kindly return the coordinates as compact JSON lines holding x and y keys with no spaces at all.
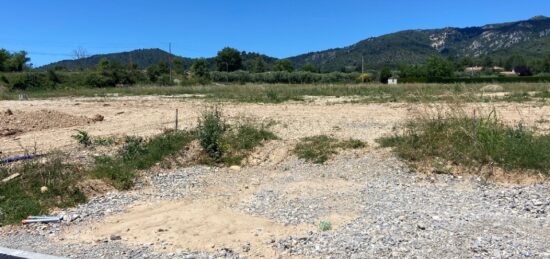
{"x":155,"y":71}
{"x":199,"y":69}
{"x":283,"y":65}
{"x":228,"y":60}
{"x":13,"y":62}
{"x":437,"y":66}
{"x":310,"y":68}
{"x":258,"y":65}
{"x":385,"y":74}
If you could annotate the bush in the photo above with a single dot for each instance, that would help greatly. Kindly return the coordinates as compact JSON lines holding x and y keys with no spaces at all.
{"x":210,"y":131}
{"x":472,"y":141}
{"x":30,"y":80}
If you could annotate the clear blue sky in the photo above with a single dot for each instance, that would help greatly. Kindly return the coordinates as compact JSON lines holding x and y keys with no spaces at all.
{"x":50,"y":30}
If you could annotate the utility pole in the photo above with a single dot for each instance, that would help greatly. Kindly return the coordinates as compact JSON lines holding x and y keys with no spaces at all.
{"x":170,"y":60}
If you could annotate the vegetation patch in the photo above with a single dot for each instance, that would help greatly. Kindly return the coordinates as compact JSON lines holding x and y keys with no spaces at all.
{"x":472,"y":141}
{"x":319,"y":149}
{"x":52,"y":182}
{"x":138,"y":154}
{"x":39,"y":186}
{"x":227,"y":144}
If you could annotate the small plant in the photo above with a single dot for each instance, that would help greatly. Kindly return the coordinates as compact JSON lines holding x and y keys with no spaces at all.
{"x":210,"y":132}
{"x":83,"y":138}
{"x":319,"y":149}
{"x":104,"y":141}
{"x":325,"y":226}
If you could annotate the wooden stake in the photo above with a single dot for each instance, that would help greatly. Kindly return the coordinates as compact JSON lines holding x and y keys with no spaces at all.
{"x":177,"y":119}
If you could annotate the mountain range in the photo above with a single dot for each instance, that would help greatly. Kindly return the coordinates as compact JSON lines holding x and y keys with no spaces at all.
{"x":529,"y":38}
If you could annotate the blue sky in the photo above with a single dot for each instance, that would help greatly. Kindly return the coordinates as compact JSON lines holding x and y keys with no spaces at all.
{"x":50,"y":30}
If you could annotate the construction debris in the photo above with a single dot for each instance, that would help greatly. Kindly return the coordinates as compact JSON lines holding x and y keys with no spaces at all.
{"x":11,"y":177}
{"x":18,"y":158}
{"x":42,"y":219}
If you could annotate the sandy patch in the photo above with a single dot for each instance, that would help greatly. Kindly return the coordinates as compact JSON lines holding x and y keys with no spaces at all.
{"x":203,"y":225}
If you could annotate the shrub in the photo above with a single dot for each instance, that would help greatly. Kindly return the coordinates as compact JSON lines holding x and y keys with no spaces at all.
{"x":210,"y":131}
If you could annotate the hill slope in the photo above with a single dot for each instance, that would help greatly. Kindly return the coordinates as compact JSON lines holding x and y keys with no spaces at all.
{"x":530,"y":38}
{"x":141,"y":57}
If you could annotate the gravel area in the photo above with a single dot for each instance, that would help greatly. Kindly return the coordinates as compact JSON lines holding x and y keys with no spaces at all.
{"x":378,"y":207}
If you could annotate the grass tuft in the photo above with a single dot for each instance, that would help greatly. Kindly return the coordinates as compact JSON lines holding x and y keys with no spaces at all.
{"x":472,"y":141}
{"x":319,"y":149}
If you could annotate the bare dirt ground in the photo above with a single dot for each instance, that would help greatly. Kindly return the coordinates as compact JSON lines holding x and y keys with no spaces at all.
{"x":150,"y":115}
{"x":272,"y":206}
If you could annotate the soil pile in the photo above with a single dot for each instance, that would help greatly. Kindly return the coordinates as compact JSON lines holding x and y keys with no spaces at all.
{"x":16,"y":122}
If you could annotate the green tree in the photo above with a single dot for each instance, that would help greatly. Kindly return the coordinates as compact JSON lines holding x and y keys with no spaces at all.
{"x":310,"y":68}
{"x":4,"y":58}
{"x":438,"y":67}
{"x":385,"y":74}
{"x":488,"y":62}
{"x":154,"y":72}
{"x":283,"y":65}
{"x":258,"y":65}
{"x":199,"y":69}
{"x":229,"y":59}
{"x":515,"y":61}
{"x":18,"y":61}
{"x":179,"y":66}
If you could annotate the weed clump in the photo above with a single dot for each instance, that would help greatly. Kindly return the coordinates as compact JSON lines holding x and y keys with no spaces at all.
{"x":210,"y":132}
{"x":229,"y":144}
{"x":83,"y":138}
{"x":319,"y":149}
{"x":325,"y":226}
{"x":472,"y":141}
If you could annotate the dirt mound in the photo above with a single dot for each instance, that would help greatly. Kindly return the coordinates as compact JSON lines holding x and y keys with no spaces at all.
{"x":16,"y":122}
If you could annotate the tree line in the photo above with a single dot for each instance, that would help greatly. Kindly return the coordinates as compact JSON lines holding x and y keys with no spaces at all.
{"x":13,"y":61}
{"x":233,"y":66}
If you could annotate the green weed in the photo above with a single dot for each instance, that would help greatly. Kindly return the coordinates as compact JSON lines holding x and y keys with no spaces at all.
{"x":319,"y":149}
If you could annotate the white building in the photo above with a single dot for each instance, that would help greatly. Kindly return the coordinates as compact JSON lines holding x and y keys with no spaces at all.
{"x":392,"y":81}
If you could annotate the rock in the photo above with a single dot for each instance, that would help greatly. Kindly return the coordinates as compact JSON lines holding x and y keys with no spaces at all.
{"x":115,"y":237}
{"x":492,"y":88}
{"x":98,"y":117}
{"x":8,"y":112}
{"x":43,"y":189}
{"x":235,"y":168}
